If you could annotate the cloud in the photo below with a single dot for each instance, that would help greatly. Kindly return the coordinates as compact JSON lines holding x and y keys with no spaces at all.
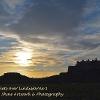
{"x":51,"y":22}
{"x":48,"y":19}
{"x":6,"y":44}
{"x":13,"y":10}
{"x":12,"y":3}
{"x":53,"y":18}
{"x":58,"y":31}
{"x":89,"y":54}
{"x":54,"y":21}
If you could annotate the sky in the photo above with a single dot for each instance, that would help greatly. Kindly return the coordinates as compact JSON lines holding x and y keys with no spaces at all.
{"x":41,"y":38}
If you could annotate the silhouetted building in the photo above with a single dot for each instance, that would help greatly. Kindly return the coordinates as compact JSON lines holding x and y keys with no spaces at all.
{"x":85,"y":70}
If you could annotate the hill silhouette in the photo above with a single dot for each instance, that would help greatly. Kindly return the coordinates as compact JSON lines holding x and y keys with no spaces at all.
{"x":83,"y":71}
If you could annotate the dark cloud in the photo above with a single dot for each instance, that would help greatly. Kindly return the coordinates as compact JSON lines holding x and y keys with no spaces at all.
{"x":51,"y":16}
{"x":53,"y":22}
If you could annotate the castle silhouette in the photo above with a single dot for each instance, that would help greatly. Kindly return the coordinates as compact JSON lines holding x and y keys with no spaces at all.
{"x":83,"y":71}
{"x":85,"y":65}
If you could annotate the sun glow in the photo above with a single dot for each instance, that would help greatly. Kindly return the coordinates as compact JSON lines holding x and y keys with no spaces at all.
{"x":24,"y":57}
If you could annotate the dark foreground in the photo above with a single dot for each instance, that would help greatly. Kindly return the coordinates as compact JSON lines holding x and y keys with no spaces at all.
{"x":73,"y":91}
